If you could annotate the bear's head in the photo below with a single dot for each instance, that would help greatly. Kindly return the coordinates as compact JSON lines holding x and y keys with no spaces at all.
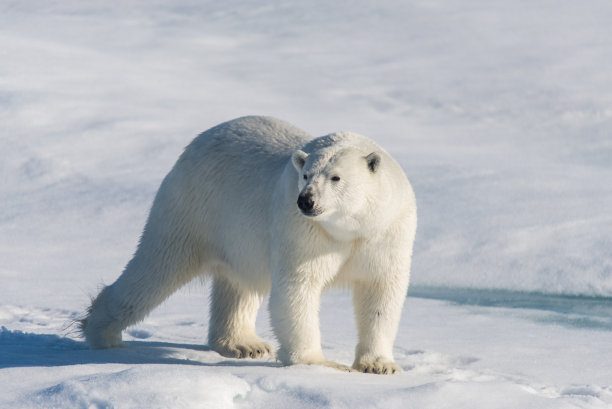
{"x":337,"y":186}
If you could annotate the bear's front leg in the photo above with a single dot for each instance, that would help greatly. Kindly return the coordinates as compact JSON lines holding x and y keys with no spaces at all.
{"x":294,"y":312}
{"x":378,"y":306}
{"x":294,"y":315}
{"x":303,"y":260}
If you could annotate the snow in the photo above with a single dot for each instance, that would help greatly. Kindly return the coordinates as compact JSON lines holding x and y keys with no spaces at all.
{"x":452,"y":355}
{"x":500,"y":113}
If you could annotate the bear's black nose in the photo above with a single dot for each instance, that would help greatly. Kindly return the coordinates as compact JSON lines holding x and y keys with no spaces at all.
{"x":305,"y":202}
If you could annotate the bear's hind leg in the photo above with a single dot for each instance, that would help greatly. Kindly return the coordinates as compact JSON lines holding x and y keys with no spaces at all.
{"x":149,"y":278}
{"x":232,"y":321}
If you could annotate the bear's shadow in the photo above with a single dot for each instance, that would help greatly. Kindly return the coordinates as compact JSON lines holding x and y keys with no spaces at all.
{"x":19,"y":349}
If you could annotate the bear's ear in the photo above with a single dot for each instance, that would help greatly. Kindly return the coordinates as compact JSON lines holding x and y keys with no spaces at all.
{"x":299,"y":159}
{"x":373,"y":160}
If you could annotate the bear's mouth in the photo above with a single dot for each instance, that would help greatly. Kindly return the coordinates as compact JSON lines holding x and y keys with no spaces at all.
{"x":311,"y":212}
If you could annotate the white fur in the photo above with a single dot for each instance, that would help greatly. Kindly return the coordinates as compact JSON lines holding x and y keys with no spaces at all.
{"x":228,"y":209}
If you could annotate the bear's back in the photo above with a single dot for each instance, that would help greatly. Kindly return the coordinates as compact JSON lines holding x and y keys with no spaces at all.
{"x":253,"y":140}
{"x":244,"y":154}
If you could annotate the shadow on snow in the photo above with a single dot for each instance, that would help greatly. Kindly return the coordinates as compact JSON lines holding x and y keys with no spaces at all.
{"x":20,"y":349}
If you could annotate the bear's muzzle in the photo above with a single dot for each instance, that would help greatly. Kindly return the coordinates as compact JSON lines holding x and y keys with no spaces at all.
{"x":306,"y":204}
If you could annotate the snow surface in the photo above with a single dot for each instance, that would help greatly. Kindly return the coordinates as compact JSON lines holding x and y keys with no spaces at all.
{"x":499,"y":111}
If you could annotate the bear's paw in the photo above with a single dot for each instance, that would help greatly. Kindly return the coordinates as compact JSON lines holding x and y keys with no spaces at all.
{"x":252,"y":348}
{"x":377,"y":366}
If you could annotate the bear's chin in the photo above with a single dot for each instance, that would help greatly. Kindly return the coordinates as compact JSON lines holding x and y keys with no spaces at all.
{"x":341,"y":227}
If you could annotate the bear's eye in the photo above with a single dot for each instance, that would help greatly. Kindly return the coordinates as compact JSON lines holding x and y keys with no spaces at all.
{"x":335,"y":178}
{"x":305,"y":176}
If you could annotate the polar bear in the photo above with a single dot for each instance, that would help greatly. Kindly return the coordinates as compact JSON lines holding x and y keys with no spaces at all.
{"x":263,"y":208}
